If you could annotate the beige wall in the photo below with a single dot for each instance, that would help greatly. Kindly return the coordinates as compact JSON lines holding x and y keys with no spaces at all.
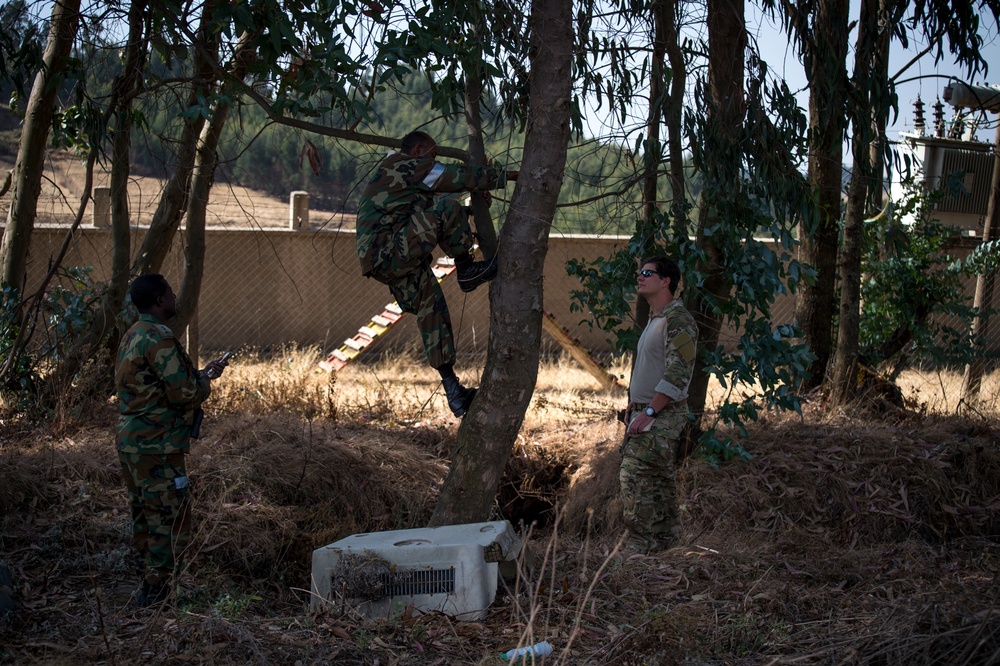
{"x":270,"y":287}
{"x":275,"y":286}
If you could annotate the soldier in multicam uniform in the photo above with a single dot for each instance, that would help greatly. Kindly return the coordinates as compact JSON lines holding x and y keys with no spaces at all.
{"x":159,"y":392}
{"x":401,"y":221}
{"x":657,"y":412}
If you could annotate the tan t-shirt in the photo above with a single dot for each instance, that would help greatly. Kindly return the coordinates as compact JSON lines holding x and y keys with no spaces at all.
{"x":664,"y":361}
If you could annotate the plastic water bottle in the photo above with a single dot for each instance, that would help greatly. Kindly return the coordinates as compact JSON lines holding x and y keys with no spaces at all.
{"x":542,"y":649}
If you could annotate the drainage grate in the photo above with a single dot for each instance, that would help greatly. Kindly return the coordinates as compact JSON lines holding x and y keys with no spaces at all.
{"x":419,"y":581}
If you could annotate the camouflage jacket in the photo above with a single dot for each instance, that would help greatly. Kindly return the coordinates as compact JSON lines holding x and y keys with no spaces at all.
{"x":403,"y":186}
{"x":664,"y":361}
{"x":159,"y":390}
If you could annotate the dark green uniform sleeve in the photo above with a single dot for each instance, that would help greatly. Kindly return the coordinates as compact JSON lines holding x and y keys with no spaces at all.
{"x":460,"y":178}
{"x":182,"y":385}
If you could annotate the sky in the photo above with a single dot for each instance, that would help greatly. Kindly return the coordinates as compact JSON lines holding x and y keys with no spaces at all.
{"x":922,"y":77}
{"x":925,"y":78}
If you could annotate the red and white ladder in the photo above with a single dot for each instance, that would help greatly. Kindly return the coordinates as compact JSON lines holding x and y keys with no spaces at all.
{"x":378,"y":325}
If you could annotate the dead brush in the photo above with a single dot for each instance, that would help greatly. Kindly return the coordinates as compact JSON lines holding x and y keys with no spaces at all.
{"x":44,"y":469}
{"x":271,"y":488}
{"x":290,"y":380}
{"x":85,"y":394}
{"x":287,"y":380}
{"x":844,"y":540}
{"x":556,"y":592}
{"x":851,"y":484}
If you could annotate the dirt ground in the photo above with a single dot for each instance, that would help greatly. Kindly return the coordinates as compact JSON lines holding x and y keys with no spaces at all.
{"x":850,"y":538}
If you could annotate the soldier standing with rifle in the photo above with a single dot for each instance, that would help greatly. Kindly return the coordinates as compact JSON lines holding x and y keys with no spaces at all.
{"x":399,"y":225}
{"x":159,"y":394}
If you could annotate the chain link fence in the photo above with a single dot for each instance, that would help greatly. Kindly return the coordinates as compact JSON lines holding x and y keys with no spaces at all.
{"x":280,"y":272}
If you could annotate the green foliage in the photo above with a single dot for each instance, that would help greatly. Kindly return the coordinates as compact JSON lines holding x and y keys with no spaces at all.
{"x":23,"y":378}
{"x":21,"y":42}
{"x":69,"y":309}
{"x":914,"y":300}
{"x":257,"y":153}
{"x":233,"y":608}
{"x":751,"y":198}
{"x":608,"y":285}
{"x":64,"y":316}
{"x":317,"y":62}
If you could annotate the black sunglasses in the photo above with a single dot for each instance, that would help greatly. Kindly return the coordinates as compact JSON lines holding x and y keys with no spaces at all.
{"x":647,"y":272}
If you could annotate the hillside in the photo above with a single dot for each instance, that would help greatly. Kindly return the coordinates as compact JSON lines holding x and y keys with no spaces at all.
{"x":229,"y":206}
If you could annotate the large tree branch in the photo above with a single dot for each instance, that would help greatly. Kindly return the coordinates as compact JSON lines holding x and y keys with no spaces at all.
{"x":237,"y":83}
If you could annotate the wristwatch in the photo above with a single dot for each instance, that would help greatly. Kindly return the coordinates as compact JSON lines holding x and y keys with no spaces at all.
{"x":650,"y":412}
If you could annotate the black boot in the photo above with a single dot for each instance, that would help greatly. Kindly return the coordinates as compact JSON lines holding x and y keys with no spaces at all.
{"x":459,"y":397}
{"x":152,"y":596}
{"x":471,"y":273}
{"x":7,"y":598}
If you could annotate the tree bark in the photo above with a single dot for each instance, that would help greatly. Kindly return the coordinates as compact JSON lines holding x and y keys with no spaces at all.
{"x":846,"y":355}
{"x":827,"y":51}
{"x":973,"y":377}
{"x":30,"y":162}
{"x":490,"y":428}
{"x":127,"y":87}
{"x":174,"y":200}
{"x":673,"y":114}
{"x":486,"y":232}
{"x":863,"y":173}
{"x":124,"y":90}
{"x":653,"y":154}
{"x":202,"y":179}
{"x":727,"y":41}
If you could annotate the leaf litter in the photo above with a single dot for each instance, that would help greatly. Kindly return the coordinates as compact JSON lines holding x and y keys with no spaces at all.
{"x":869,"y":539}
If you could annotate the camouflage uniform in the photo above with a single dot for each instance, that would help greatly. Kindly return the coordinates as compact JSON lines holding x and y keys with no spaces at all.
{"x":649,"y":490}
{"x":159,"y":390}
{"x":398,"y":226}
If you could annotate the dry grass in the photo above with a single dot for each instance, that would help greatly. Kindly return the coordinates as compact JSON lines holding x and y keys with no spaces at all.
{"x":847,"y":539}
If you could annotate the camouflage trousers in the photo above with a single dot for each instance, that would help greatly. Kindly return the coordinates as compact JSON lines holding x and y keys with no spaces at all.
{"x":649,"y":489}
{"x":409,"y":276}
{"x":159,"y":500}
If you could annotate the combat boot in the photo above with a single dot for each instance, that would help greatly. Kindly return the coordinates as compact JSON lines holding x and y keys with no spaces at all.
{"x":7,"y":601}
{"x":471,"y":273}
{"x":152,"y":596}
{"x":459,"y":397}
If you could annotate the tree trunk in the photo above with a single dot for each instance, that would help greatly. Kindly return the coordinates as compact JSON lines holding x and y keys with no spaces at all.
{"x":202,"y":179}
{"x":490,"y":428}
{"x":727,"y":41}
{"x":124,"y":90}
{"x":890,"y":13}
{"x":174,"y":200}
{"x":194,"y":233}
{"x":863,"y":119}
{"x":673,"y":115}
{"x":486,"y":232}
{"x":127,"y":87}
{"x":814,"y":306}
{"x":653,"y":154}
{"x":34,"y":135}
